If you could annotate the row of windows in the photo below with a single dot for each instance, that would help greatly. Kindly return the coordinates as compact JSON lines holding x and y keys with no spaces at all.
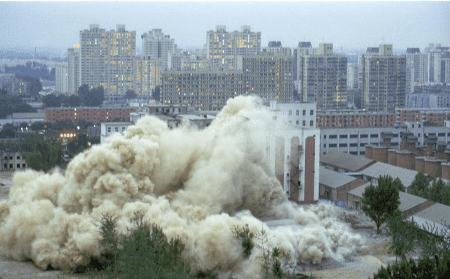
{"x":11,"y":157}
{"x":116,"y":129}
{"x":5,"y":166}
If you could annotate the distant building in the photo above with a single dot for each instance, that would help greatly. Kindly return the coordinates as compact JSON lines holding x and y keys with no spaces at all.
{"x":276,"y":47}
{"x":107,"y":59}
{"x":12,"y":161}
{"x":14,"y":85}
{"x":204,"y":89}
{"x":222,"y":47}
{"x":62,"y":78}
{"x":157,"y":47}
{"x":383,"y":80}
{"x":296,"y":114}
{"x":268,"y":75}
{"x":109,"y":128}
{"x":324,"y":78}
{"x":89,"y":114}
{"x":73,"y":69}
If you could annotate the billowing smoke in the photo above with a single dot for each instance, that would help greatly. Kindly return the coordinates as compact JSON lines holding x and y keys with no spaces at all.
{"x":195,"y":184}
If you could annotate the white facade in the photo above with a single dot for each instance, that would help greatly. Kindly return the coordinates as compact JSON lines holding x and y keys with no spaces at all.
{"x":354,"y":140}
{"x":12,"y":161}
{"x":297,"y":114}
{"x":109,"y":128}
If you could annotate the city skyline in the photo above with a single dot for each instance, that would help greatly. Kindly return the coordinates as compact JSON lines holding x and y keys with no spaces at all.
{"x":347,"y":25}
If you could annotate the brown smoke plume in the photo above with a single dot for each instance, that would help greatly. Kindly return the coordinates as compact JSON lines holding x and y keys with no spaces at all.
{"x":196,"y":184}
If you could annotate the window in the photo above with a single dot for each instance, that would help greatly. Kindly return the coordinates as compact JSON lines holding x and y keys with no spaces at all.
{"x":10,"y":157}
{"x":23,"y":165}
{"x":342,"y":136}
{"x":5,"y":166}
{"x":311,"y":123}
{"x":354,"y":152}
{"x":304,"y":122}
{"x":342,"y":145}
{"x":109,"y":129}
{"x":353,"y":145}
{"x":324,"y":145}
{"x":10,"y":166}
{"x":441,"y":135}
{"x":353,"y":136}
{"x":324,"y":136}
{"x":297,"y":112}
{"x":18,"y":157}
{"x":333,"y":136}
{"x":297,"y":122}
{"x":364,"y":136}
{"x":362,"y":144}
{"x":116,"y":129}
{"x":332,"y":145}
{"x":123,"y":129}
{"x":362,"y":153}
{"x":373,"y":136}
{"x":18,"y":166}
{"x":304,"y":112}
{"x":311,"y":112}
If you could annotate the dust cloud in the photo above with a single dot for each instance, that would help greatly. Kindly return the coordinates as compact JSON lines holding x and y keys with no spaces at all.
{"x":195,"y":184}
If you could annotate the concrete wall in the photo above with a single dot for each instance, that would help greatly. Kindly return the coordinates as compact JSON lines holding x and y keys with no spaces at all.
{"x":369,"y":152}
{"x":392,"y":157}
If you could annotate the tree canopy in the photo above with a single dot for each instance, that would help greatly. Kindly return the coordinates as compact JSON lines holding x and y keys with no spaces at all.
{"x":130,"y":94}
{"x":381,"y":202}
{"x":419,"y":185}
{"x":91,"y":97}
{"x":41,"y":154}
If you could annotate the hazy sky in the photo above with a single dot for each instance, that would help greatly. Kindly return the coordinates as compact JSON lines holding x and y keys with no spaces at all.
{"x":345,"y":24}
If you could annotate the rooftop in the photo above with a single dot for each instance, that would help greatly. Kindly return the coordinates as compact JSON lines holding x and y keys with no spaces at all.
{"x":346,"y":161}
{"x":438,"y":213}
{"x":378,"y":169}
{"x":333,"y":179}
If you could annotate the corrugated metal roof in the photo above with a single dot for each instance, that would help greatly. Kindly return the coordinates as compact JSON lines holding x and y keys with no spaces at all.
{"x":333,"y":179}
{"x":407,"y":201}
{"x":345,"y":160}
{"x":438,"y":213}
{"x":406,"y":176}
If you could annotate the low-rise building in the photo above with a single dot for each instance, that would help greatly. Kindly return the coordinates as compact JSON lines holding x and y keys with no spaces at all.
{"x":344,"y":162}
{"x":12,"y":161}
{"x":335,"y":185}
{"x":109,"y":128}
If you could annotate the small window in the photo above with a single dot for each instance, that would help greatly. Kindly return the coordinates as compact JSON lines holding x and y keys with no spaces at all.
{"x":332,"y":145}
{"x":362,"y":144}
{"x":353,"y":136}
{"x":373,"y":136}
{"x":333,"y":136}
{"x":18,"y":166}
{"x":123,"y":129}
{"x":18,"y":157}
{"x":297,"y":122}
{"x":116,"y":129}
{"x":304,"y":122}
{"x":109,"y":129}
{"x":342,"y":145}
{"x":324,"y":136}
{"x":5,"y":166}
{"x":10,"y":157}
{"x":311,"y":112}
{"x":441,"y":135}
{"x":297,"y":112}
{"x":304,"y":112}
{"x":353,"y":145}
{"x":23,"y":166}
{"x":311,"y":123}
{"x":363,"y":136}
{"x":362,"y":153}
{"x":342,"y":136}
{"x":325,"y":145}
{"x":10,"y":166}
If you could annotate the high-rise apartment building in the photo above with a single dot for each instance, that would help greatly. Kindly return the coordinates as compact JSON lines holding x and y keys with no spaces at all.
{"x":383,"y":79}
{"x":417,"y":68}
{"x":222,"y":47}
{"x":73,"y":69}
{"x":147,"y":76}
{"x":304,"y":48}
{"x":276,"y":47}
{"x":107,"y":59}
{"x":435,"y":55}
{"x":61,"y":78}
{"x":352,"y":76}
{"x":324,"y":78}
{"x":157,"y":47}
{"x":204,"y":89}
{"x":268,"y":75}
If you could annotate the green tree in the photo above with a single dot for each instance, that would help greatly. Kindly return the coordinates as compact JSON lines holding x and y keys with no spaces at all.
{"x":51,"y":101}
{"x":130,"y":94}
{"x":419,"y":186}
{"x":404,"y":235}
{"x":8,"y":131}
{"x":91,"y":97}
{"x":41,"y":154}
{"x":398,"y":184}
{"x":382,"y":201}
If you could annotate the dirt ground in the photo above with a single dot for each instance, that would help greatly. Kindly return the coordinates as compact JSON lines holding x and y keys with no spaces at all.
{"x":372,"y":255}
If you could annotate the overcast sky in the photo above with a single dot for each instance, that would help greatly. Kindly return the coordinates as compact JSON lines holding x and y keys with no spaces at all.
{"x":345,"y":24}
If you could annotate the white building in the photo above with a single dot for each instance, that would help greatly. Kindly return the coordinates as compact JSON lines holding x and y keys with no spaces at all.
{"x":293,"y":153}
{"x":109,"y":128}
